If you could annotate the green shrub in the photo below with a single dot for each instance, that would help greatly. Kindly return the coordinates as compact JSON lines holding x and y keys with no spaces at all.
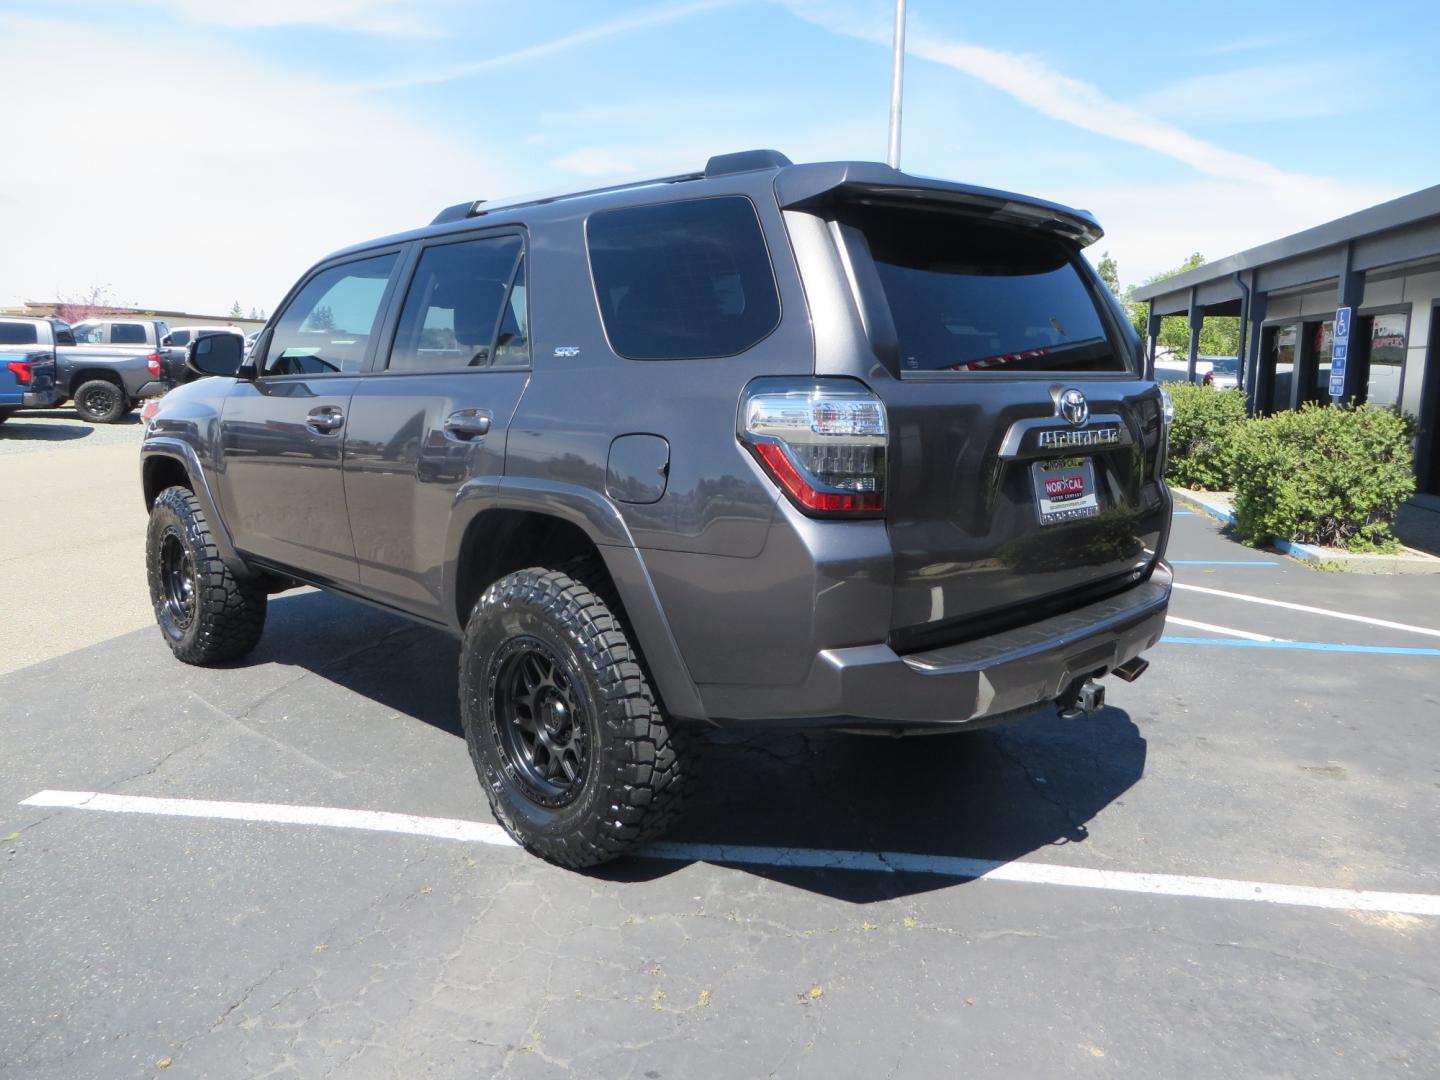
{"x":1205,"y":423}
{"x":1323,"y":475}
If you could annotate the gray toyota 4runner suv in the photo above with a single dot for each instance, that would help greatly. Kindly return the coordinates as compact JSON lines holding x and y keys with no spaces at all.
{"x":822,"y":445}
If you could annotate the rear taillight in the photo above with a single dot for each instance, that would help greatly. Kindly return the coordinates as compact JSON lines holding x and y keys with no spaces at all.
{"x":153,"y":363}
{"x":822,"y":441}
{"x":21,"y":370}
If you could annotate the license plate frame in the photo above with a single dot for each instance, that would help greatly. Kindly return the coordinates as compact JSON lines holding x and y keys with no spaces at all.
{"x":1064,"y":489}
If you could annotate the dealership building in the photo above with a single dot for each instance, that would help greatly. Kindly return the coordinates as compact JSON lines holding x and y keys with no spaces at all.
{"x":1382,"y":263}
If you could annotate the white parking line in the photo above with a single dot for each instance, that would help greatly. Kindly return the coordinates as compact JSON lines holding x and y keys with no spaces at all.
{"x":1386,"y":623}
{"x":882,"y":862}
{"x":1221,"y":629}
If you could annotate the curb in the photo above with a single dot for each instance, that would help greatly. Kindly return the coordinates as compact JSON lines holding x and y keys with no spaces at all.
{"x":1316,"y":556}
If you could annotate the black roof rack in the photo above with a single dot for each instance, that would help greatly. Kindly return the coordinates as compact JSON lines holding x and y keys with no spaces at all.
{"x":745,"y":161}
{"x":719,"y":165}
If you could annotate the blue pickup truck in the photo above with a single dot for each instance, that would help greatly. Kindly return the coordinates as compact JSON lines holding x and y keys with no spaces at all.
{"x":27,"y":364}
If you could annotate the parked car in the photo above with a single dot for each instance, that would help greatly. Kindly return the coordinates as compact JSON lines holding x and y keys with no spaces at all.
{"x":27,"y":363}
{"x":1221,"y":372}
{"x":747,"y":447}
{"x":112,"y":364}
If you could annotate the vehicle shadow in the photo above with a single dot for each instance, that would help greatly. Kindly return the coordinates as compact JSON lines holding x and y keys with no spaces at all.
{"x":22,"y":425}
{"x":990,"y":795}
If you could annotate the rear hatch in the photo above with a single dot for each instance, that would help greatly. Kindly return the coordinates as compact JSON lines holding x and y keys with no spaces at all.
{"x":1025,"y":447}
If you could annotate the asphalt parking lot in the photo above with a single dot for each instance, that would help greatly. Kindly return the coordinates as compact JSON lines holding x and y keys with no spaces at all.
{"x":1181,"y":885}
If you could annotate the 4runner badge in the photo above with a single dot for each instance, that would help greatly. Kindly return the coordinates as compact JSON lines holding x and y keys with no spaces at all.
{"x":1060,"y":439}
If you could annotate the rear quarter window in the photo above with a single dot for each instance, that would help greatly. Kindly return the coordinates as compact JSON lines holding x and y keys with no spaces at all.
{"x":683,"y":280}
{"x":969,"y":296}
{"x":18,"y":333}
{"x":122,"y":333}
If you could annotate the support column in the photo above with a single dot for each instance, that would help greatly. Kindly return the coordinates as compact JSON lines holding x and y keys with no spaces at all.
{"x":1197,"y":323}
{"x":1254,"y":342}
{"x":1152,"y":332}
{"x":1352,"y":291}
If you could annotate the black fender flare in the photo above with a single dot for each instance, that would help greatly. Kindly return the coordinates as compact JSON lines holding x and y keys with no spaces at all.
{"x":157,"y":447}
{"x":600,"y":520}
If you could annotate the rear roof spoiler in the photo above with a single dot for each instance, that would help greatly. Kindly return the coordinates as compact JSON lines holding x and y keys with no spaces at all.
{"x":807,"y":187}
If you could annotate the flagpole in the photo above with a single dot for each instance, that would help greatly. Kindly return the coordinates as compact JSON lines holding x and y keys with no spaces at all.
{"x":897,"y":83}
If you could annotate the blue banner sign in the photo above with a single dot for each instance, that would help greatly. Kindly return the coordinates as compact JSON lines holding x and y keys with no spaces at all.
{"x":1339,"y":352}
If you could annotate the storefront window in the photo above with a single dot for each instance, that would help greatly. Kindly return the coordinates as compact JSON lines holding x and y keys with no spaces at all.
{"x":1285,"y":338}
{"x":1387,"y":359}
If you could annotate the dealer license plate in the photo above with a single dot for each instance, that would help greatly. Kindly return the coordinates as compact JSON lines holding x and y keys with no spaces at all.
{"x":1065,"y":489}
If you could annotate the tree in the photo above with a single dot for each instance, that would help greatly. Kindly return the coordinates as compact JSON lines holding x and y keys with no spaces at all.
{"x":1220,"y":336}
{"x":77,"y":307}
{"x":321,"y":319}
{"x":1110,"y":274}
{"x":253,"y":315}
{"x":236,"y":312}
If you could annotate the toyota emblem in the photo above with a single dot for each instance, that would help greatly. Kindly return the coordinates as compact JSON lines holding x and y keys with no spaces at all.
{"x":1074,"y":407}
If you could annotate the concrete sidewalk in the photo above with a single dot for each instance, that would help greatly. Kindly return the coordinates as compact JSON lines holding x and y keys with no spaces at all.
{"x":1411,"y":559}
{"x":1418,"y":524}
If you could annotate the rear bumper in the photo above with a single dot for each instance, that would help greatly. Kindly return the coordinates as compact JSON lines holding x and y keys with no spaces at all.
{"x":41,"y":399}
{"x":969,"y":685}
{"x":155,"y":388}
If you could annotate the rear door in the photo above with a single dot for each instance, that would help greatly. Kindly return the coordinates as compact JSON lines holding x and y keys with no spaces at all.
{"x":282,"y":433}
{"x":1025,"y":446}
{"x":434,"y":414}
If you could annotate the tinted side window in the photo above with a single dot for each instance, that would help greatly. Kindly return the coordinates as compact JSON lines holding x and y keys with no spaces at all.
{"x":178,"y":337}
{"x":18,"y":333}
{"x":327,"y":327}
{"x":454,"y":304}
{"x":512,"y":343}
{"x":683,"y":280}
{"x":127,"y":333}
{"x":63,"y":334}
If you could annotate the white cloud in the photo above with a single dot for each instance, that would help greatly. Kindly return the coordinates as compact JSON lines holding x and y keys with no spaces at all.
{"x":594,"y":161}
{"x":1250,"y":44}
{"x":199,"y":177}
{"x":1260,"y":94}
{"x":1150,"y":228}
{"x":641,"y":20}
{"x":391,"y":17}
{"x":1240,"y":202}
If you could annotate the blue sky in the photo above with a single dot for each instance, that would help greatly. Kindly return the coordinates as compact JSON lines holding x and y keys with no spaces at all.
{"x":202,"y":152}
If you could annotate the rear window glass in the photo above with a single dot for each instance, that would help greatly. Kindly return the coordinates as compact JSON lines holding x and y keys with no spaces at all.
{"x":683,"y":280}
{"x":966,"y":296}
{"x":18,"y":333}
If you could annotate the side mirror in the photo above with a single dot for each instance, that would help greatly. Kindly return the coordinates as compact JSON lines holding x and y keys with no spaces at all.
{"x":215,"y":354}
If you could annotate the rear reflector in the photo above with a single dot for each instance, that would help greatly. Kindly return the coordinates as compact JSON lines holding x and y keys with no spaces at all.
{"x":21,"y":370}
{"x":153,"y":363}
{"x":823,"y":441}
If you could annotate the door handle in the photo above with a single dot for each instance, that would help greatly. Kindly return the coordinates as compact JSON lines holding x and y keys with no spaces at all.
{"x":326,"y":420}
{"x":468,"y":424}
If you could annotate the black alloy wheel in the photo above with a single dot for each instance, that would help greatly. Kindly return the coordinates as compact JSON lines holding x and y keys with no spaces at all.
{"x":177,"y":580}
{"x":101,"y":402}
{"x":540,"y":721}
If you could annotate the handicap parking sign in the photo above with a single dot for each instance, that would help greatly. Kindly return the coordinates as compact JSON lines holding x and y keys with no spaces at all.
{"x":1339,"y":352}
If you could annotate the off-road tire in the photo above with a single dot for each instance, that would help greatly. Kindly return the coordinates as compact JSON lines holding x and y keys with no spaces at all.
{"x":641,"y":764}
{"x":101,"y":401}
{"x":228,"y":613}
